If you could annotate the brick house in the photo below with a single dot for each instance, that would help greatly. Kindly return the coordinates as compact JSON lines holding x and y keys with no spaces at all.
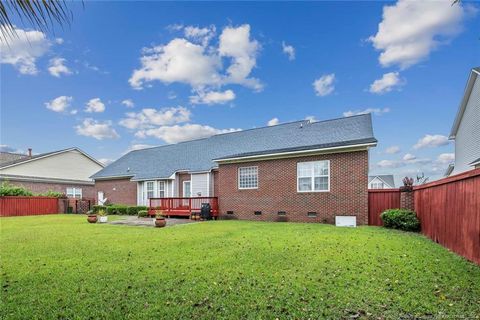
{"x":67,"y":171}
{"x":299,"y":171}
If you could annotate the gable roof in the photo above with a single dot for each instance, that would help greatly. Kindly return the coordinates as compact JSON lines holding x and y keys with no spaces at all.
{"x":200,"y":155}
{"x":475,"y":72}
{"x":25,"y":159}
{"x":386,"y":178}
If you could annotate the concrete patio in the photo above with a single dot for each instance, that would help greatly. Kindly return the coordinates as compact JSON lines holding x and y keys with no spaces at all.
{"x":148,"y":222}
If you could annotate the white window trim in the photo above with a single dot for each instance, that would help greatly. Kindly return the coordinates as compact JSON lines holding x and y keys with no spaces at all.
{"x":153,"y":190}
{"x":164,"y":189}
{"x":74,"y":192}
{"x":313,"y":179}
{"x":238,"y":178}
{"x":183,"y":189}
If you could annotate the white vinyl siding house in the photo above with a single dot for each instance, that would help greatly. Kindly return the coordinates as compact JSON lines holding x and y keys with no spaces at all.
{"x":466,"y":128}
{"x":385,"y":181}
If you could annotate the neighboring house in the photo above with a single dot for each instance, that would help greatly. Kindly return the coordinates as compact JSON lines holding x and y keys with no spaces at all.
{"x":66,"y":171}
{"x":466,"y":128}
{"x":308,"y":171}
{"x":384,"y":181}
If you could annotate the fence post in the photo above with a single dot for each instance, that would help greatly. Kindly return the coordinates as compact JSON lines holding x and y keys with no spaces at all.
{"x":406,"y":199}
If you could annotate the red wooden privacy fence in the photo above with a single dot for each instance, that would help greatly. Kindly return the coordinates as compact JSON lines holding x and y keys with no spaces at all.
{"x":380,"y":200}
{"x":27,"y":206}
{"x":448,"y":209}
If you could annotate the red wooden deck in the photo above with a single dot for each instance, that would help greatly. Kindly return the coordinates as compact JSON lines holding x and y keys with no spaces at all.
{"x":181,"y":206}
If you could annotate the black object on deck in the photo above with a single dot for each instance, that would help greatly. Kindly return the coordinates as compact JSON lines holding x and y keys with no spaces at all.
{"x":206,"y":211}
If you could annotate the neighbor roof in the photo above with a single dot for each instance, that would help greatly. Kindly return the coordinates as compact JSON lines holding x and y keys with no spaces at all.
{"x":387,"y":178}
{"x":199,"y":155}
{"x":475,"y":72}
{"x":7,"y":157}
{"x":25,"y":158}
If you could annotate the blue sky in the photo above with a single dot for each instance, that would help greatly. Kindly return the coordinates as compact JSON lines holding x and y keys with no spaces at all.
{"x":126,"y":75}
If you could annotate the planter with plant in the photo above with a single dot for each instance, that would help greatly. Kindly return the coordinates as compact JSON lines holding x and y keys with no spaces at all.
{"x":92,"y":217}
{"x":103,"y":216}
{"x":160,"y":221}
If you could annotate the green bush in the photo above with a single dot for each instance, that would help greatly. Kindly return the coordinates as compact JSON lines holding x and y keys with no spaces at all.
{"x":54,"y":194}
{"x":117,"y":209}
{"x":401,"y":219}
{"x":142,"y":213}
{"x":96,"y":208}
{"x":8,"y":190}
{"x":133,"y":210}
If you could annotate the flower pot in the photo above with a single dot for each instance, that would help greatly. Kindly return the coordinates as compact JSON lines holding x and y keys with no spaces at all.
{"x":103,"y":219}
{"x":92,"y":218}
{"x":160,"y":222}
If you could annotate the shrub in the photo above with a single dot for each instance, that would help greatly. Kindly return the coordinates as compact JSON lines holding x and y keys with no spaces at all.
{"x":133,"y":210}
{"x":8,"y":190}
{"x":54,"y":194}
{"x":401,"y":219}
{"x":117,"y":209}
{"x":142,"y":213}
{"x":96,"y":208}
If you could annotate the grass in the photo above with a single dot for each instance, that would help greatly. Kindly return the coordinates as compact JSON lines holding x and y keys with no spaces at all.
{"x":59,"y":266}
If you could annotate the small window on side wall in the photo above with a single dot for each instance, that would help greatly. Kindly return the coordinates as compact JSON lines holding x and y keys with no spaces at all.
{"x":248,"y":178}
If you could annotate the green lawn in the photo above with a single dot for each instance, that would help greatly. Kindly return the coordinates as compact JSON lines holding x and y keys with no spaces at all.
{"x":61,"y":267}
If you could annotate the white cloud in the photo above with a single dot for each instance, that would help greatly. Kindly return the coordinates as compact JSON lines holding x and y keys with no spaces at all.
{"x":409,"y":157}
{"x":376,"y":111}
{"x":75,"y":111}
{"x":446,"y":158}
{"x":289,"y":51}
{"x":311,"y":118}
{"x":411,"y":29}
{"x":179,"y":133}
{"x":7,"y":148}
{"x":149,"y":117}
{"x":23,"y":50}
{"x":429,"y":141}
{"x":390,"y":164}
{"x":387,"y":83}
{"x":95,"y":105}
{"x":199,"y":65}
{"x":392,"y":150}
{"x":57,"y":67}
{"x":106,"y":161}
{"x":128,"y":103}
{"x":96,"y":129}
{"x":59,"y":104}
{"x":273,"y":122}
{"x":213,"y":97}
{"x":324,"y":85}
{"x":59,"y":40}
{"x":200,"y":35}
{"x":138,"y":146}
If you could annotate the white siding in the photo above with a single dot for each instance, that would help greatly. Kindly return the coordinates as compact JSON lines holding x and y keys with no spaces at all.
{"x":467,"y":140}
{"x":200,"y":184}
{"x":70,"y":165}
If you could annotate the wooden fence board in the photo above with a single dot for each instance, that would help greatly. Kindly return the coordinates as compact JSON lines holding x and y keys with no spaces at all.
{"x":27,"y":206}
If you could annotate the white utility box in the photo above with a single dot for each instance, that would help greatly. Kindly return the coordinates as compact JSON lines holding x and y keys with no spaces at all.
{"x":346,"y":221}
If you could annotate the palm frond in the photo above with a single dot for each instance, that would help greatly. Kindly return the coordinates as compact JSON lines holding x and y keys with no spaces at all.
{"x":39,"y":14}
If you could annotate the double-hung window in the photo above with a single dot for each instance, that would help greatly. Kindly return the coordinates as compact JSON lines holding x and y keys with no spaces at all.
{"x":150,"y":189}
{"x":161,"y":189}
{"x":74,"y":193}
{"x":377,"y":185}
{"x":248,"y":178}
{"x":313,"y":176}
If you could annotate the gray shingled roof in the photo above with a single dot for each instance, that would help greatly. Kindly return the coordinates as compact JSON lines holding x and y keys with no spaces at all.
{"x":198,"y":155}
{"x":387,"y":178}
{"x":8,"y":157}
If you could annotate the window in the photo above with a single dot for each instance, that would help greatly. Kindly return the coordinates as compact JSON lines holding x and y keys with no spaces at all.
{"x":74,"y":193}
{"x":313,"y":176}
{"x":376,"y":185}
{"x":248,"y":178}
{"x":161,"y":189}
{"x":150,"y":189}
{"x":187,"y":189}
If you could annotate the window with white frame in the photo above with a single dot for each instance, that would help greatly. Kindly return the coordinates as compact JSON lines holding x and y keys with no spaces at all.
{"x":313,"y":176}
{"x":376,"y":185}
{"x":74,"y":193}
{"x":248,"y":177}
{"x":161,"y":189}
{"x":150,"y":189}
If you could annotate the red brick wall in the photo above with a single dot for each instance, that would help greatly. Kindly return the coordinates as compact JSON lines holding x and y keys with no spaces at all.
{"x":181,"y":178}
{"x":215,"y":183}
{"x":118,"y":191}
{"x":277,"y":190}
{"x":88,"y":191}
{"x":407,"y":200}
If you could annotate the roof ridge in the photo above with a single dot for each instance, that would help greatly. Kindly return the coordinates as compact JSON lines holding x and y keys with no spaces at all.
{"x":340,"y":118}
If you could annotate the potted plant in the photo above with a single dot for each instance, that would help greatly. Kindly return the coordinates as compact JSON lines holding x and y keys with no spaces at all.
{"x":103,"y":216}
{"x":160,"y":221}
{"x":92,"y":217}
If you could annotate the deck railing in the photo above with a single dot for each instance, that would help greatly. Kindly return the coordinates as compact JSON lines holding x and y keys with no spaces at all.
{"x":182,"y":206}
